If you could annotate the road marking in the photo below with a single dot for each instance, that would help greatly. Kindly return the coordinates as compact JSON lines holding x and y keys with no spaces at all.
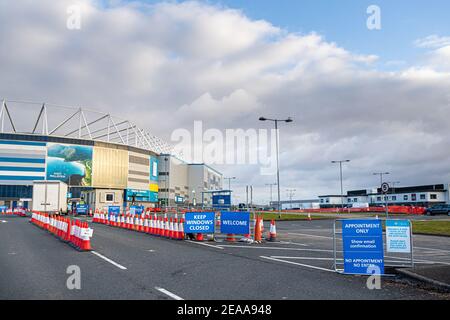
{"x":431,"y":249}
{"x":205,"y":244}
{"x":4,"y":221}
{"x":297,"y":244}
{"x":310,"y":235}
{"x":170,"y":294}
{"x":277,"y":248}
{"x":109,"y":260}
{"x":298,"y":264}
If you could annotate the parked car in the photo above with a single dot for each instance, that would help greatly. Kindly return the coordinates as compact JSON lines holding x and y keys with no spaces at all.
{"x":438,"y":209}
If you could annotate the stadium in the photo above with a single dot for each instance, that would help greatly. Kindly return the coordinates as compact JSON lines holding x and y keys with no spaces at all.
{"x":103,"y":159}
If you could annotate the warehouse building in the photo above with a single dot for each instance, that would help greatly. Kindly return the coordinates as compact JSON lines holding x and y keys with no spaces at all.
{"x":186,"y":184}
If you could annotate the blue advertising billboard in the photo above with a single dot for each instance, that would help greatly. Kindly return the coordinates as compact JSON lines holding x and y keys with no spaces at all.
{"x":221,"y":201}
{"x":362,"y":246}
{"x":235,"y":222}
{"x":154,"y":169}
{"x":199,"y":222}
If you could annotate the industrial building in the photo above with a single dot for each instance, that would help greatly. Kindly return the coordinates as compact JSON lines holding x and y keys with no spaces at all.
{"x":182,"y":183}
{"x":104,"y":160}
{"x":423,"y":196}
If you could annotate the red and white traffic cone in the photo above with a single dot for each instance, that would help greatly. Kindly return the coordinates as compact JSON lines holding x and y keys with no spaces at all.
{"x":273,"y":231}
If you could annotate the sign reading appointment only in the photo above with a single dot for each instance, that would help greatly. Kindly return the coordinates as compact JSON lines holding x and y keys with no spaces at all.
{"x":363,"y":246}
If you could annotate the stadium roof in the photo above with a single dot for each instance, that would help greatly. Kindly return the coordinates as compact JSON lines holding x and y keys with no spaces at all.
{"x":27,"y":117}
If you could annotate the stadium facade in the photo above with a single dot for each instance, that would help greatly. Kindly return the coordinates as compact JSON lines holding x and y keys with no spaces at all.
{"x":103,"y":159}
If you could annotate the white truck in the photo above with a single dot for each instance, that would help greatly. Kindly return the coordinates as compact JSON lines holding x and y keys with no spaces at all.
{"x":50,"y":196}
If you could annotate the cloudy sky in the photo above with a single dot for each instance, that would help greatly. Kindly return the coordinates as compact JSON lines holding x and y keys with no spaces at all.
{"x":378,"y":97}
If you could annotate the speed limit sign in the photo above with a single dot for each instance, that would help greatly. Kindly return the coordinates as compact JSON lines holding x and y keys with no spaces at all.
{"x":385,"y":187}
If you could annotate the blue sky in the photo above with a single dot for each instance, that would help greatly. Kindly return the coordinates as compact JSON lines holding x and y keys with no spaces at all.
{"x":344,"y":22}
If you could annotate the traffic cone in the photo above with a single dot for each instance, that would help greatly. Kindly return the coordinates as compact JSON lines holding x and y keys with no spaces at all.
{"x":273,"y":231}
{"x":230,"y":238}
{"x":262,"y":226}
{"x":150,"y":225}
{"x":85,"y":240}
{"x":258,"y":237}
{"x":181,"y":229}
{"x":309,"y":217}
{"x":199,"y":237}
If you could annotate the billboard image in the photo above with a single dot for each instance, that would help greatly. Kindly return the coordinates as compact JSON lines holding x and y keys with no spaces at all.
{"x":71,"y":164}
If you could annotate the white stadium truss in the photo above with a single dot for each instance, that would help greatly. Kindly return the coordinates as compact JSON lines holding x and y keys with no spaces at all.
{"x":33,"y":118}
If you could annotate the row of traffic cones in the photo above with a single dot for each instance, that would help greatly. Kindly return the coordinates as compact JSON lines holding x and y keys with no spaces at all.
{"x":76,"y":233}
{"x":162,"y":226}
{"x":14,"y":212}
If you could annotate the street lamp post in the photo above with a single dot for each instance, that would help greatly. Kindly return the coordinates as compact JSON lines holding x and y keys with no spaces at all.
{"x":271,"y":185}
{"x":291,"y":193}
{"x":229,"y":182}
{"x":340,"y":174}
{"x":288,"y":120}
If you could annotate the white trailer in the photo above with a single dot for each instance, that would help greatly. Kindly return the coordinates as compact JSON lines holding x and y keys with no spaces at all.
{"x":50,"y":196}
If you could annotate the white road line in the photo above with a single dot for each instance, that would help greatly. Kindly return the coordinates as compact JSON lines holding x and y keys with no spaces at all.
{"x":310,"y":235}
{"x":109,"y":260}
{"x":298,"y":264}
{"x":4,"y":221}
{"x":205,"y":244}
{"x":170,"y":294}
{"x":276,"y":248}
{"x":432,"y":249}
{"x":297,"y":244}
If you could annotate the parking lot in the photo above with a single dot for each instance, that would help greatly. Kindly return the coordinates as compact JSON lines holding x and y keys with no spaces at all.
{"x":130,"y":265}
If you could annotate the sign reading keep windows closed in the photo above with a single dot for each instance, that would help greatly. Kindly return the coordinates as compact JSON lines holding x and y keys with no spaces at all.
{"x":199,"y":222}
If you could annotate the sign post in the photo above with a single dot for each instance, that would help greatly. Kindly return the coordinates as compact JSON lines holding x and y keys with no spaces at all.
{"x":385,"y":190}
{"x":363,"y":247}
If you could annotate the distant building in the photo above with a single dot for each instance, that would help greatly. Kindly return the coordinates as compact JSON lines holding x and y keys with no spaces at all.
{"x":423,"y":196}
{"x":296,"y":204}
{"x":183,"y":183}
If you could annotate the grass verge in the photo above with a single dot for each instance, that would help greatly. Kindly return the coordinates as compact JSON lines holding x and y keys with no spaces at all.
{"x":435,"y":227}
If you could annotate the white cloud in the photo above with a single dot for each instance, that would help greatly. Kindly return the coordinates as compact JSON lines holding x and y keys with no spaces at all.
{"x":432,"y":41}
{"x":168,"y":64}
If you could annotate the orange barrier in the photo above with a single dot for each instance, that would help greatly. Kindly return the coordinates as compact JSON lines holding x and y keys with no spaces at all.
{"x":77,"y":234}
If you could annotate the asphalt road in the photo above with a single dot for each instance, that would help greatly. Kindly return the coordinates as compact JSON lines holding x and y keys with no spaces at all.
{"x":130,"y":265}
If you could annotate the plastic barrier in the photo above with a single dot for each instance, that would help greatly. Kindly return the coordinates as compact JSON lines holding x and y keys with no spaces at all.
{"x":74,"y":232}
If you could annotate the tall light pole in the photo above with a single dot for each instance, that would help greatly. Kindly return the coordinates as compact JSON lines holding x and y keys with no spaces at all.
{"x":229,"y":182}
{"x":288,"y":120}
{"x":291,"y":193}
{"x":340,"y":174}
{"x":381,"y":174}
{"x":271,"y":185}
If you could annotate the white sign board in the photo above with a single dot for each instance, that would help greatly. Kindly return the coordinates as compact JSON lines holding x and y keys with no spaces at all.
{"x":398,"y":236}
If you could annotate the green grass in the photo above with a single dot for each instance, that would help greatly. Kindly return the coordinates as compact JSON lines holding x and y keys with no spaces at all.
{"x":432,"y":227}
{"x":287,"y":217}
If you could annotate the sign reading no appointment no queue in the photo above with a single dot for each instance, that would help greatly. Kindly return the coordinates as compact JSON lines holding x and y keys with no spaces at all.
{"x":199,"y":222}
{"x":235,"y":222}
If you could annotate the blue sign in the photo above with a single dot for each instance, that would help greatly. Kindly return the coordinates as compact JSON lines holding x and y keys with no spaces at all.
{"x":136,"y":210}
{"x":199,"y":222}
{"x":82,"y":208}
{"x":3,"y":208}
{"x":113,"y":210}
{"x":179,"y":199}
{"x":363,"y":246}
{"x":235,"y":222}
{"x":153,"y":169}
{"x":221,"y":201}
